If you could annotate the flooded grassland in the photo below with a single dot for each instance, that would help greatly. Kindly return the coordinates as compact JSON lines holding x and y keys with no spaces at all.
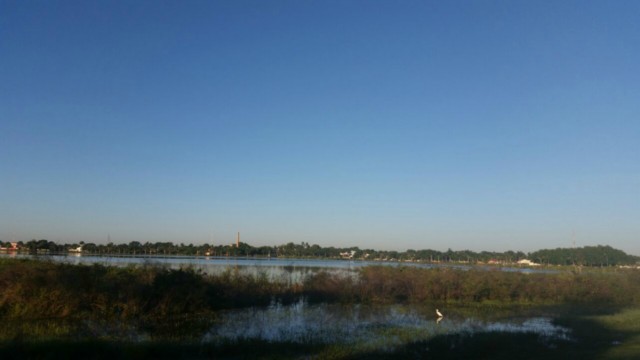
{"x":147,"y":310}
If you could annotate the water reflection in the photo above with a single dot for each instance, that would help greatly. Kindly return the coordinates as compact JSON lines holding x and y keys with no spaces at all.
{"x":359,"y":327}
{"x":287,"y":270}
{"x":379,"y":326}
{"x":209,"y":262}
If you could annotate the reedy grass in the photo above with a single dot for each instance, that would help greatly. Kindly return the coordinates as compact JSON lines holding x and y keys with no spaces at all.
{"x":39,"y":289}
{"x":171,"y":306}
{"x":383,"y":284}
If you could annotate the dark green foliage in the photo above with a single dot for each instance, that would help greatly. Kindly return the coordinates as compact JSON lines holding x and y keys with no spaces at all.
{"x":584,"y":256}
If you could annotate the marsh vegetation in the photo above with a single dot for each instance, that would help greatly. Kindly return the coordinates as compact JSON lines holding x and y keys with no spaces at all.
{"x":154,"y":311}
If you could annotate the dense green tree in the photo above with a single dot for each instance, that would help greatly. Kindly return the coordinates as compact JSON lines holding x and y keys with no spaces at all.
{"x":584,"y":256}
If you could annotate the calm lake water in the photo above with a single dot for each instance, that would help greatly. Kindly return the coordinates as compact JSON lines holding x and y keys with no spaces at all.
{"x":275,"y":268}
{"x":287,"y":270}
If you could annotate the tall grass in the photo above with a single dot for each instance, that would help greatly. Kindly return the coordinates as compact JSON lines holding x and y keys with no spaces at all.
{"x":37,"y":289}
{"x":384,"y":284}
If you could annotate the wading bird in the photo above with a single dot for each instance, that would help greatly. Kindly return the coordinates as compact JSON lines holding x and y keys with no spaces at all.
{"x":439,"y":313}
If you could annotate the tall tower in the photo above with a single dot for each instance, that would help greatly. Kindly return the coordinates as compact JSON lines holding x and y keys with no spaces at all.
{"x":238,"y":240}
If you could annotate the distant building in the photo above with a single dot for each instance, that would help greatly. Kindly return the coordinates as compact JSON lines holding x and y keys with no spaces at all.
{"x":348,"y":254}
{"x":10,"y":247}
{"x":76,"y":250}
{"x":527,"y":262}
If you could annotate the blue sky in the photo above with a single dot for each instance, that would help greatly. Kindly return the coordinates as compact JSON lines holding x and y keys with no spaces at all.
{"x":482,"y":125}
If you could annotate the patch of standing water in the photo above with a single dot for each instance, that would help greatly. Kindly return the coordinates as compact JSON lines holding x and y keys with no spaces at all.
{"x":380,"y":326}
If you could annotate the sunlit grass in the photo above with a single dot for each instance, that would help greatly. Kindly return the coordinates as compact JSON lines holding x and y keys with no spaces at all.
{"x":624,"y":328}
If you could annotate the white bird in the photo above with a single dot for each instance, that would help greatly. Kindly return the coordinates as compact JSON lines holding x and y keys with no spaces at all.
{"x":439,"y":313}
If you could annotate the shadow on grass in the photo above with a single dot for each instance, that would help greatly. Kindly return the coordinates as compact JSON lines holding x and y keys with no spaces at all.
{"x":597,"y":341}
{"x":249,"y":349}
{"x":493,"y":345}
{"x":590,"y":338}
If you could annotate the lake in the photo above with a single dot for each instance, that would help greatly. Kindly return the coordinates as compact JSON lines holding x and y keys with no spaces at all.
{"x":289,"y":269}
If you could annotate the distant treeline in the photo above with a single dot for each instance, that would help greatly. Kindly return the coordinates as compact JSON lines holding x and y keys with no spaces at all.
{"x":588,"y":256}
{"x":583,"y":256}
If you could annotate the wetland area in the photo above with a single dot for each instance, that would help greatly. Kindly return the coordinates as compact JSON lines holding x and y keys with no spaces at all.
{"x":180,"y":307}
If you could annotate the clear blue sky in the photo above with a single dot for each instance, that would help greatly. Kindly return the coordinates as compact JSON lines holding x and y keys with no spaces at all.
{"x":482,"y":125}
